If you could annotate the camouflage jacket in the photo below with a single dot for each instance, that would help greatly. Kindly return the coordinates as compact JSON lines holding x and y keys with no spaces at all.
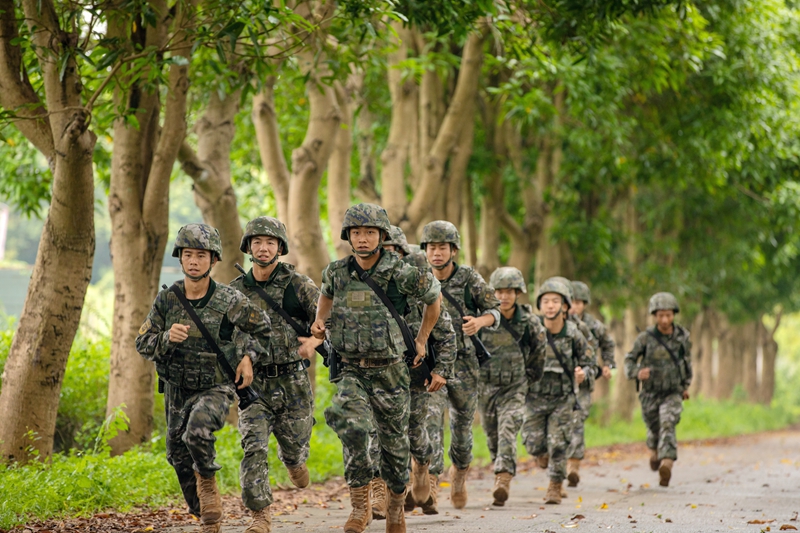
{"x":476,"y":298}
{"x":512,"y":360}
{"x":361,"y":325}
{"x":665,"y":376}
{"x":588,"y":383}
{"x":600,"y":333}
{"x":227,"y":312}
{"x":298,"y":296}
{"x":576,"y":352}
{"x":417,"y":259}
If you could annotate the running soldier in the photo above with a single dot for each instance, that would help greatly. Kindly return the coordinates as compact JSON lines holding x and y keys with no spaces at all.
{"x":286,"y":406}
{"x":518,"y":350}
{"x":374,"y":384}
{"x":197,"y":394}
{"x":550,"y":402}
{"x":605,"y":345}
{"x":661,"y":361}
{"x":475,"y":308}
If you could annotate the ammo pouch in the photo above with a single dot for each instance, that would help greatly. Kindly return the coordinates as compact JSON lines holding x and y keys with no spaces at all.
{"x":500,"y":371}
{"x":553,"y":384}
{"x":191,"y":370}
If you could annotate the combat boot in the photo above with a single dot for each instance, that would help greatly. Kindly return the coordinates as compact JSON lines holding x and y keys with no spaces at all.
{"x":573,"y":468}
{"x":665,"y":472}
{"x":378,"y":498}
{"x":361,"y":515}
{"x":298,"y":475}
{"x":502,"y":486}
{"x":395,"y":517}
{"x":432,"y":505}
{"x":654,"y":462}
{"x":458,"y":486}
{"x":553,"y":492}
{"x":410,"y":503}
{"x":262,"y":522}
{"x":543,"y":460}
{"x":210,"y":502}
{"x":421,"y":486}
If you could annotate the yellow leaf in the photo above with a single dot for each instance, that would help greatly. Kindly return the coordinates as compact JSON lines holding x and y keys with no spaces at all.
{"x":694,"y":506}
{"x":444,"y":484}
{"x":787,"y":461}
{"x":148,"y":528}
{"x":10,"y":142}
{"x":604,"y":506}
{"x":580,"y":499}
{"x":134,"y":26}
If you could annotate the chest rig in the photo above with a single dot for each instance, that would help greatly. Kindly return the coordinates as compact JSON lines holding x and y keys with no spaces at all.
{"x":554,"y":381}
{"x":665,"y":376}
{"x":507,"y":363}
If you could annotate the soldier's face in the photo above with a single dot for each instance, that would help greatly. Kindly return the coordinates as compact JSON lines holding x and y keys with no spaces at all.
{"x":365,"y":239}
{"x":665,"y":318}
{"x":578,"y":307}
{"x":196,"y":262}
{"x":507,"y":297}
{"x":439,"y":253}
{"x":552,"y":305}
{"x":264,"y":248}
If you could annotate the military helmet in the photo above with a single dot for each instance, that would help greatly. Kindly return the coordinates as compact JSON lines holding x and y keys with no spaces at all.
{"x":265,"y":226}
{"x":567,"y":283}
{"x":508,"y":278}
{"x":580,"y":291}
{"x":662,"y":301}
{"x":397,"y":237}
{"x":199,"y":237}
{"x":440,"y":231}
{"x":365,"y":215}
{"x":557,"y":286}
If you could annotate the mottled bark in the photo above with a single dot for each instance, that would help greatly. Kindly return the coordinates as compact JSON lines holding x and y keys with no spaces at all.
{"x":265,"y":121}
{"x":339,"y":169}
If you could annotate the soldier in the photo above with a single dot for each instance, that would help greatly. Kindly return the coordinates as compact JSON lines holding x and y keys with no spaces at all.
{"x":517,"y":349}
{"x":374,"y":382}
{"x":286,"y":407}
{"x":476,"y":309}
{"x":197,"y":395}
{"x":661,"y":361}
{"x":398,"y":243}
{"x":605,"y":346}
{"x":547,"y":426}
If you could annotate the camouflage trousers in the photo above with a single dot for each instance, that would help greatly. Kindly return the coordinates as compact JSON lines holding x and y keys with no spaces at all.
{"x":577,"y":445}
{"x":502,"y":408}
{"x":192,"y":419}
{"x":286,"y":409}
{"x":367,"y":400}
{"x":661,"y":413}
{"x":547,"y":428}
{"x":462,"y":391}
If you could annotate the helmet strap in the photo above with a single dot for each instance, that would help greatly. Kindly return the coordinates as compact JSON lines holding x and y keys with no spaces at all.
{"x":447,"y":263}
{"x":370,"y":253}
{"x":197,"y":278}
{"x":265,"y":264}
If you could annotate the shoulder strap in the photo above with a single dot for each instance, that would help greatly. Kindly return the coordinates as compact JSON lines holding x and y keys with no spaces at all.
{"x":669,"y":351}
{"x":507,"y":326}
{"x":450,"y":298}
{"x":561,"y":359}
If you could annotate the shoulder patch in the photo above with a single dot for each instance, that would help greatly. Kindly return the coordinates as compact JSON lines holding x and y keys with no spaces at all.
{"x":145,"y":327}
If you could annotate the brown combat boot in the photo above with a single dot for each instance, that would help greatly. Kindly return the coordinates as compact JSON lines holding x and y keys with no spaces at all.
{"x":665,"y":472}
{"x":543,"y":460}
{"x":573,"y":468}
{"x":553,"y":492}
{"x":654,"y":461}
{"x":458,"y":486}
{"x":262,"y":522}
{"x":378,"y":499}
{"x":502,"y":486}
{"x":361,"y":515}
{"x":432,"y":505}
{"x":210,"y":501}
{"x":395,"y":517}
{"x":420,"y":486}
{"x":299,"y":476}
{"x":410,"y":503}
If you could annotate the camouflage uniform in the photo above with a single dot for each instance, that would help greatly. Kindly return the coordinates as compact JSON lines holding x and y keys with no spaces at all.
{"x":197,"y":395}
{"x":662,"y":394}
{"x":286,"y":407}
{"x":375,"y":380}
{"x":547,"y":426}
{"x":397,"y":237}
{"x":477,"y":298}
{"x":504,"y":378}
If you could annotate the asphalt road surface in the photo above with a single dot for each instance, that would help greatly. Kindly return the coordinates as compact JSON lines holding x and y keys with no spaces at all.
{"x":742,"y":484}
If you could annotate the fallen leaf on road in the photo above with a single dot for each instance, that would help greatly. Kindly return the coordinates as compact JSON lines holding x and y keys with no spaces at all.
{"x":668,"y":520}
{"x":444,"y":484}
{"x":604,"y":506}
{"x":761,"y":521}
{"x":524,"y":517}
{"x":578,"y":517}
{"x":788,"y":527}
{"x":570,"y":525}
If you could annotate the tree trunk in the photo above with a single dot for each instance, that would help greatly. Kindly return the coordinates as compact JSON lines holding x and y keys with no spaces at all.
{"x":749,"y":343}
{"x":770,"y":352}
{"x":469,"y":233}
{"x":706,"y":341}
{"x":339,"y":171}
{"x":698,"y":356}
{"x":623,"y":400}
{"x":726,"y":375}
{"x":36,"y":361}
{"x":265,"y":121}
{"x":457,"y":173}
{"x":493,"y":201}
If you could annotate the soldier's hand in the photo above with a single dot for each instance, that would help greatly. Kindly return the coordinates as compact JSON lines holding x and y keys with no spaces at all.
{"x":471,"y":325}
{"x":308,"y":346}
{"x":580,"y":375}
{"x":607,"y":372}
{"x":178,"y":333}
{"x":644,"y":374}
{"x":245,"y":372}
{"x":318,"y":329}
{"x":686,"y":395}
{"x":420,"y":351}
{"x":436,"y":382}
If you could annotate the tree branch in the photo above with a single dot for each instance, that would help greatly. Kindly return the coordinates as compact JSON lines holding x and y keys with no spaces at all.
{"x":265,"y":120}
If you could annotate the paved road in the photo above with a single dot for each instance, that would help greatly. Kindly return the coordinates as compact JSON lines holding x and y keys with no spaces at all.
{"x":719,"y":486}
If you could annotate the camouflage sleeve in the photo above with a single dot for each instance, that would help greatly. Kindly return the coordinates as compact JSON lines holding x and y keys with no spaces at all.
{"x":444,"y":341}
{"x":534,"y":358}
{"x":487,"y":302}
{"x":632,"y":359}
{"x":420,"y":285}
{"x":327,"y":283}
{"x":153,"y":343}
{"x":254,"y":322}
{"x":584,"y":353}
{"x":606,"y":345}
{"x":687,"y":358}
{"x":307,"y":294}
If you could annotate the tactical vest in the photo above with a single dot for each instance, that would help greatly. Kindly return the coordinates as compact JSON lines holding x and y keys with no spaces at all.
{"x":193,"y":365}
{"x":554,"y":381}
{"x":361,"y":325}
{"x":665,"y":377}
{"x":457,"y":287}
{"x":507,"y":364}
